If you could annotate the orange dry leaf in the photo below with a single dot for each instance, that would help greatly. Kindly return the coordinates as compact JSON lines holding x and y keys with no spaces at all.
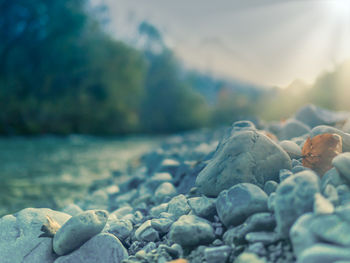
{"x":319,"y":152}
{"x":180,"y":260}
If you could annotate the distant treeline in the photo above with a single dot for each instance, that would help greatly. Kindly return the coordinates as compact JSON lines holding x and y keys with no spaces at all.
{"x":60,"y":72}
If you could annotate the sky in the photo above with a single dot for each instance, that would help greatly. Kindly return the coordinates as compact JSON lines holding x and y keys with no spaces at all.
{"x":266,"y":42}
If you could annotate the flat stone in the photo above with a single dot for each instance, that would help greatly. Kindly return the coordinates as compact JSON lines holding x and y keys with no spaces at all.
{"x":190,"y":230}
{"x":294,"y":197}
{"x":101,"y":248}
{"x":19,"y":236}
{"x":239,"y":202}
{"x":245,"y":157}
{"x":78,"y":229}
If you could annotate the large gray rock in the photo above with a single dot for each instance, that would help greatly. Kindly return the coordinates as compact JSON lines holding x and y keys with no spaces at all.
{"x":78,"y":229}
{"x":328,"y":129}
{"x":191,"y":230}
{"x":245,"y":157}
{"x":239,"y":202}
{"x":342,"y":164}
{"x":324,"y":253}
{"x":313,"y":116}
{"x":294,"y":197}
{"x":101,"y":248}
{"x":19,"y":236}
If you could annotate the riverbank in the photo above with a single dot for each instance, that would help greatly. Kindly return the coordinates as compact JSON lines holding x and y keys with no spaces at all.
{"x":241,"y":194}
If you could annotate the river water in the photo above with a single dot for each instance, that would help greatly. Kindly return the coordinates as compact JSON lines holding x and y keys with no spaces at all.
{"x":52,"y":171}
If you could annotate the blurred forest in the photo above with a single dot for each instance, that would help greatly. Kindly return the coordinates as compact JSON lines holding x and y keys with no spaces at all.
{"x":60,"y":72}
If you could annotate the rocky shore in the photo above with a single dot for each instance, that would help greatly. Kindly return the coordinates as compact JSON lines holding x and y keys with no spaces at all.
{"x":241,"y":194}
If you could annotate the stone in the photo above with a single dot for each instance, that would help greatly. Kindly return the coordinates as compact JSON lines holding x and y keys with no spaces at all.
{"x":264,"y":237}
{"x":78,"y":229}
{"x":157,"y":210}
{"x":203,"y":207}
{"x":245,"y":157}
{"x":343,"y":194}
{"x":165,"y":190}
{"x":191,"y":230}
{"x":248,"y":257}
{"x":257,"y":248}
{"x":239,"y":202}
{"x":256,"y":222}
{"x":217,"y":254}
{"x":332,"y":229}
{"x":122,"y":211}
{"x":178,"y":206}
{"x":330,"y":192}
{"x":313,"y":116}
{"x":293,"y":128}
{"x":146,"y":232}
{"x":328,"y":129}
{"x":300,"y":234}
{"x":271,"y":202}
{"x":331,"y":177}
{"x":284,"y":174}
{"x":322,"y":205}
{"x":19,"y":236}
{"x":294,"y":197}
{"x":270,"y":187}
{"x":342,"y":164}
{"x":121,"y":228}
{"x":72,"y":209}
{"x":324,"y":253}
{"x":162,"y":225}
{"x":103,"y":247}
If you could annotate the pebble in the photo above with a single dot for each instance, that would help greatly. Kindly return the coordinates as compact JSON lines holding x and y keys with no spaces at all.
{"x":146,"y":232}
{"x":165,"y":190}
{"x":121,"y":228}
{"x":324,"y":253}
{"x":248,"y":257}
{"x":322,"y":205}
{"x":72,"y":209}
{"x":239,"y":202}
{"x":191,"y":230}
{"x":78,"y":229}
{"x":293,"y":128}
{"x":270,"y":187}
{"x":162,"y":225}
{"x":217,"y":254}
{"x":178,"y":206}
{"x":264,"y":237}
{"x":203,"y":206}
{"x":342,"y":164}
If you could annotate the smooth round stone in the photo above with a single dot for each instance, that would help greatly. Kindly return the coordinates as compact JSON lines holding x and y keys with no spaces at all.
{"x":103,"y":247}
{"x":191,"y":230}
{"x":293,"y":128}
{"x":239,"y":202}
{"x":294,"y":197}
{"x":245,"y":157}
{"x":324,"y":253}
{"x":78,"y":229}
{"x":342,"y":164}
{"x":163,"y":191}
